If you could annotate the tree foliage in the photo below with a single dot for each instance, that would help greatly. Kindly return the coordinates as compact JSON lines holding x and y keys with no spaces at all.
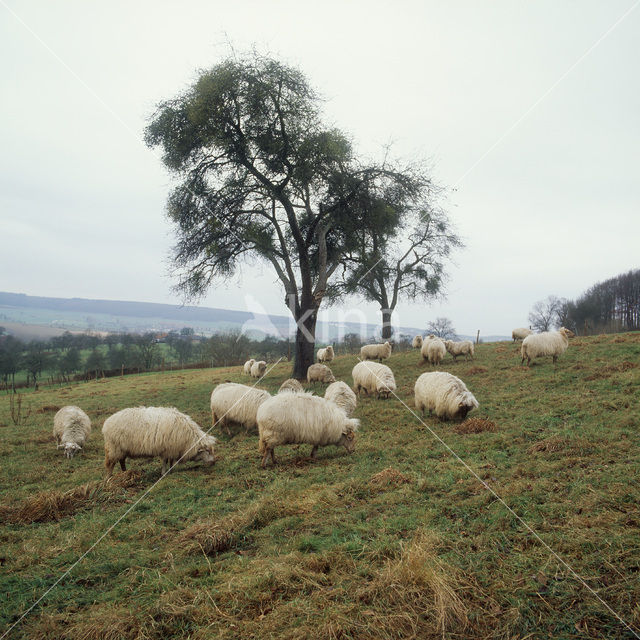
{"x":261,"y":177}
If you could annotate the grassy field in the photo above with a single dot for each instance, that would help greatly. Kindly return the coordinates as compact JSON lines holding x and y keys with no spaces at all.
{"x":398,"y":540}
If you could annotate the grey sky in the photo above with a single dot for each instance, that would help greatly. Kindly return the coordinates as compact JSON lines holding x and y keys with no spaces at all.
{"x":551,"y":209}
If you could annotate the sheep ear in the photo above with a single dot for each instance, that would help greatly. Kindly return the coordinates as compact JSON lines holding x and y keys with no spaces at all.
{"x":60,"y":446}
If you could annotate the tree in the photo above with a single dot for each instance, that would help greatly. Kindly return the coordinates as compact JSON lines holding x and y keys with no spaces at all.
{"x":96,"y":362}
{"x":263,"y":178}
{"x":544,"y":313}
{"x":442,"y":328}
{"x":69,"y":362}
{"x":10,"y":356}
{"x":36,"y":359}
{"x":385,"y":269}
{"x":147,"y":350}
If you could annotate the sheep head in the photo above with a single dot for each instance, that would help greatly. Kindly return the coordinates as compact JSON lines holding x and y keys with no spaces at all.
{"x":70,"y":448}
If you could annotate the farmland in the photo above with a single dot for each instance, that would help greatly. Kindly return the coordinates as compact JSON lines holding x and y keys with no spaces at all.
{"x":397,"y":540}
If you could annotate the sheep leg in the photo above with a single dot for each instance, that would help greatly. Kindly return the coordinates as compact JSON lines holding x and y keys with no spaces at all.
{"x":265,"y":456}
{"x":555,"y":359}
{"x":314,"y":451}
{"x":108,"y":465}
{"x":123,"y":466}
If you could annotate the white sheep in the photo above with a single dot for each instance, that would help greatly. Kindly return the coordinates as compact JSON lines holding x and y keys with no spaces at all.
{"x":326,"y":354}
{"x":433,"y":349}
{"x":258,"y":369}
{"x":147,"y":432}
{"x":373,"y":377}
{"x":375,"y":351}
{"x":302,"y":418}
{"x":417,"y":342}
{"x":71,"y":429}
{"x":247,"y":366}
{"x":341,"y":394}
{"x":232,"y":402}
{"x":548,"y":343}
{"x":520,"y":333}
{"x":320,"y":373}
{"x":290,"y":384}
{"x":465,"y":348}
{"x":445,"y":394}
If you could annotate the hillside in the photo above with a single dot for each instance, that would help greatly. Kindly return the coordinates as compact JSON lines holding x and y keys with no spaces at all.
{"x":398,"y":540}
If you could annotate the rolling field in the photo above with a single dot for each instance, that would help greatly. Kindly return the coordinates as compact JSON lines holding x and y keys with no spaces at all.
{"x":398,"y":540}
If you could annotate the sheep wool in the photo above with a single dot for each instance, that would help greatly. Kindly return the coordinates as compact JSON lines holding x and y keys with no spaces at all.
{"x":465,"y":348}
{"x":302,"y":418}
{"x":548,"y":343}
{"x":520,"y":333}
{"x":147,"y":432}
{"x":433,"y":350}
{"x":373,"y":377}
{"x":71,"y":429}
{"x":320,"y":373}
{"x":326,"y":354}
{"x":258,"y":369}
{"x":290,"y":384}
{"x":341,"y":394}
{"x":247,"y":366}
{"x":416,"y":343}
{"x":375,"y":351}
{"x":445,"y":394}
{"x":238,"y":403}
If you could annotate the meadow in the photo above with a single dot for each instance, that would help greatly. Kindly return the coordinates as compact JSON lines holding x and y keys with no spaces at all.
{"x":398,"y":540}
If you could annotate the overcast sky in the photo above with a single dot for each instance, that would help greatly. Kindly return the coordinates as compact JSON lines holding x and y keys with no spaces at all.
{"x":528,"y":112}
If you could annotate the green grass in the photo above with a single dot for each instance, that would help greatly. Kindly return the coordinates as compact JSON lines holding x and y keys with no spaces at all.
{"x":398,"y":540}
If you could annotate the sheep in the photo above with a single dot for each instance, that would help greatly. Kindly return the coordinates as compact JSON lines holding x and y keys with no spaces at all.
{"x":521,"y":333}
{"x":232,"y":402}
{"x":326,"y":354}
{"x":445,"y":394}
{"x":247,"y":366}
{"x":302,"y":418}
{"x":548,"y":343}
{"x":258,"y":368}
{"x":321,"y":373}
{"x":146,"y":432}
{"x":433,"y":350}
{"x":71,"y":428}
{"x":373,"y":376}
{"x":375,"y":351}
{"x":417,"y":342}
{"x":464,"y":348}
{"x":291,"y":384}
{"x":341,"y":394}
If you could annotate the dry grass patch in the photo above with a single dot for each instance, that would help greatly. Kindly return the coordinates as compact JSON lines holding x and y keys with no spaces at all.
{"x":475,"y":425}
{"x":568,"y":446}
{"x":48,"y":408}
{"x":609,"y":370}
{"x":53,"y":505}
{"x":388,"y":477}
{"x":477,"y":369}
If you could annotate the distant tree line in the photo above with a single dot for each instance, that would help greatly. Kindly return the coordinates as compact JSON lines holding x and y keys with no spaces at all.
{"x":606,"y":307}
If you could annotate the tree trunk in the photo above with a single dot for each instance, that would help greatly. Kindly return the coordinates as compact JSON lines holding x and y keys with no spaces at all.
{"x":386,"y":324}
{"x":305,"y":341}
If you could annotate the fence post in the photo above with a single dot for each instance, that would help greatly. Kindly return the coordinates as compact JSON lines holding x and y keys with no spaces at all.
{"x":478,"y":337}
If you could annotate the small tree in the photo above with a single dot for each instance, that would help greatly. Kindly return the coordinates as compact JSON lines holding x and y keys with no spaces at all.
{"x":10,"y":357}
{"x":544,"y":313}
{"x":96,"y":362}
{"x":147,"y":350}
{"x":35,"y":360}
{"x":384,"y":269}
{"x":442,"y":328}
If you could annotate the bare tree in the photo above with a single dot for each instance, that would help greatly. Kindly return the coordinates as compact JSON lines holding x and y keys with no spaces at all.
{"x":544,"y":313}
{"x":442,"y":328}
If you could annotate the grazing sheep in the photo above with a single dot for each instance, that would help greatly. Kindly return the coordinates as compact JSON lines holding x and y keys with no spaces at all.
{"x":417,"y":342}
{"x":71,"y":428}
{"x":549,"y":343}
{"x":291,"y":384}
{"x":258,"y":369}
{"x":326,"y":354}
{"x":433,"y":350}
{"x":521,"y":333}
{"x":147,"y":432}
{"x":247,"y":366}
{"x":232,"y":402}
{"x":464,"y":348}
{"x":321,"y":373}
{"x":341,"y":394}
{"x":302,"y":418}
{"x":375,"y":351}
{"x":445,"y":394}
{"x":373,"y":376}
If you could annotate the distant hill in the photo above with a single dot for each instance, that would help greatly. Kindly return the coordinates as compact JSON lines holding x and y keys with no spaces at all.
{"x":82,"y":314}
